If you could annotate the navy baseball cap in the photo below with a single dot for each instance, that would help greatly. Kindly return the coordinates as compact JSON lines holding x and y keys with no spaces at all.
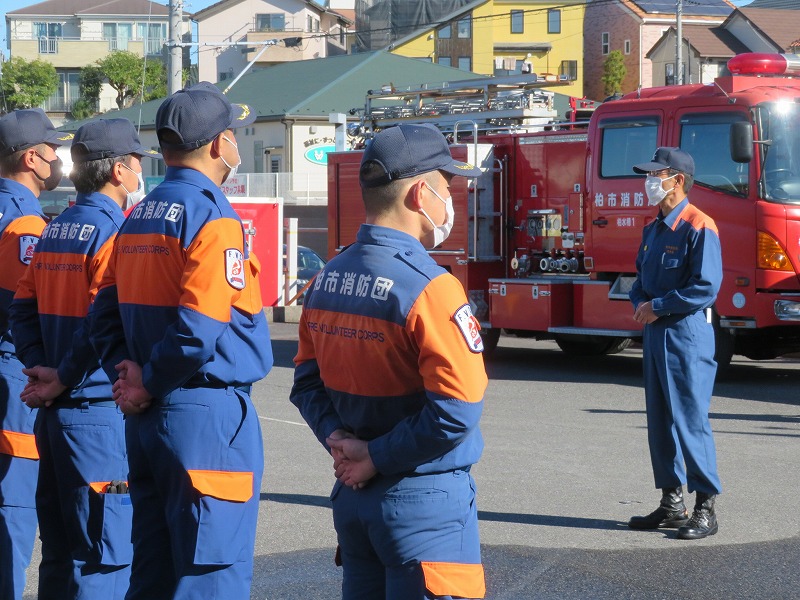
{"x":23,"y":128}
{"x":198,"y":114}
{"x":668,"y":158}
{"x":107,"y":138}
{"x":407,"y":151}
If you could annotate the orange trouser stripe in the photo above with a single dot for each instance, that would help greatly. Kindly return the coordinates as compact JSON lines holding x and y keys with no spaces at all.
{"x":18,"y":444}
{"x":236,"y":486}
{"x":454,"y":579}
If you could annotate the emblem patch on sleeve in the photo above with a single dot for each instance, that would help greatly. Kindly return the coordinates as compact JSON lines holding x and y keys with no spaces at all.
{"x":470,"y":328}
{"x":234,"y":268}
{"x":27,"y":244}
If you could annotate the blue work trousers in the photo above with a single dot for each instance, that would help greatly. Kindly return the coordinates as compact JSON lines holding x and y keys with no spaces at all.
{"x":679,"y":371}
{"x":390,"y":531}
{"x":191,"y":455}
{"x":17,"y":483}
{"x":85,"y":532}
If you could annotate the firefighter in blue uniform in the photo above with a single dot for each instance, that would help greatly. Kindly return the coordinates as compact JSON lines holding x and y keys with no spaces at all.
{"x":179,"y":317}
{"x":679,"y":272}
{"x":28,"y":166}
{"x":82,"y":502}
{"x":390,"y":377}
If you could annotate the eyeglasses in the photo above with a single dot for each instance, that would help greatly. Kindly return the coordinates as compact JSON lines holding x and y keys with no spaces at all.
{"x":658,"y":173}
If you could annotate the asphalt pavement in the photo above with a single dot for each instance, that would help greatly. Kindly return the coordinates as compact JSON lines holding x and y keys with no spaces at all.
{"x":565,"y":466}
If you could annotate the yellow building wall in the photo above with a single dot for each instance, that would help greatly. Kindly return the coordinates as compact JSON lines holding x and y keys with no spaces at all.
{"x":419,"y":47}
{"x":491,"y":25}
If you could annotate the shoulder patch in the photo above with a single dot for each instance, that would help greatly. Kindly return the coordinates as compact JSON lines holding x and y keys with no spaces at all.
{"x":234,"y":268}
{"x":27,"y":244}
{"x":470,"y":328}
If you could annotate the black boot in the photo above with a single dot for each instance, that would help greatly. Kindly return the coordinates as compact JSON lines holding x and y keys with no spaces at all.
{"x":703,"y":522}
{"x":670,"y":513}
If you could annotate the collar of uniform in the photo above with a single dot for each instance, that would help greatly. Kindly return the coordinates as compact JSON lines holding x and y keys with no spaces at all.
{"x":192,"y":176}
{"x":17,"y":190}
{"x":98,"y":200}
{"x":386,"y":236}
{"x":675,"y":214}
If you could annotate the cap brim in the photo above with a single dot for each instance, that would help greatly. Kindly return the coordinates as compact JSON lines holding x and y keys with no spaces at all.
{"x":146,"y":152}
{"x":60,"y":138}
{"x":647,"y":167}
{"x":462,"y":169}
{"x":242,"y":115}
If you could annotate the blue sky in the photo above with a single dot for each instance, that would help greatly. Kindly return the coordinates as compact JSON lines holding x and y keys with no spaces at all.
{"x":189,"y":5}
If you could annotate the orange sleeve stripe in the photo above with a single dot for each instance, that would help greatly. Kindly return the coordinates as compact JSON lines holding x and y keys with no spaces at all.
{"x":250,"y":300}
{"x":26,"y":288}
{"x":18,"y":444}
{"x":386,"y":364}
{"x":99,"y":266}
{"x":61,"y":281}
{"x":454,"y":579}
{"x":446,"y":363}
{"x":26,"y":225}
{"x":235,"y":486}
{"x":150,"y":265}
{"x":205,"y":287}
{"x":13,"y":268}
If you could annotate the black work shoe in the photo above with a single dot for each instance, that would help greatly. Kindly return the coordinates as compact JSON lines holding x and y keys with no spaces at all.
{"x":670,"y":513}
{"x":703,"y":522}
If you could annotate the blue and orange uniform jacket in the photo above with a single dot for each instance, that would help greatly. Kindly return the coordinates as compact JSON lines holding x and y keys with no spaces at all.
{"x":181,"y":295}
{"x":52,"y":301}
{"x":679,"y":263}
{"x":21,"y":224}
{"x":389,"y":351}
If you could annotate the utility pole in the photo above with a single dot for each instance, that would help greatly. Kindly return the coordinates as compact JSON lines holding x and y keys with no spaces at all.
{"x":678,"y":44}
{"x":175,"y":66}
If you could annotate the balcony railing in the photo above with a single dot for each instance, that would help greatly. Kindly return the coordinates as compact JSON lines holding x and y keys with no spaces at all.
{"x":55,"y":45}
{"x":48,"y":45}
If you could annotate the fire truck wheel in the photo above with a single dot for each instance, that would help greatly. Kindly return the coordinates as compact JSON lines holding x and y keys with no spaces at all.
{"x":490,"y":338}
{"x":591,"y":345}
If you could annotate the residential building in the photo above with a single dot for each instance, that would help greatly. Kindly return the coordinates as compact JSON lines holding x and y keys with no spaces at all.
{"x":706,"y":51}
{"x":708,"y":48}
{"x":303,"y":28}
{"x":71,"y":34}
{"x":503,"y":37}
{"x":633,"y":27}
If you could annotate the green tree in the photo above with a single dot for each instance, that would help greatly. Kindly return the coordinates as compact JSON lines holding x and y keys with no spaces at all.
{"x":614,"y":72}
{"x":124,"y":72}
{"x":27,"y":84}
{"x":90,"y":82}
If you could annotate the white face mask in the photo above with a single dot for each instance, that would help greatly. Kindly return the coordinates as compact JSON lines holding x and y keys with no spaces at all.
{"x":441,"y":232}
{"x":655,"y":191}
{"x":135,"y":196}
{"x":233,"y":169}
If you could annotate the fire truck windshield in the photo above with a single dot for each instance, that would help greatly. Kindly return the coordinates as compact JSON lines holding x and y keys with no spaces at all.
{"x":780,"y":175}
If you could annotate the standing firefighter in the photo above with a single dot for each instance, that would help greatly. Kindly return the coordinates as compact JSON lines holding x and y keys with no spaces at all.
{"x":679,"y":271}
{"x":180,"y":318}
{"x":81,"y":499}
{"x":28,"y":166}
{"x":390,"y":377}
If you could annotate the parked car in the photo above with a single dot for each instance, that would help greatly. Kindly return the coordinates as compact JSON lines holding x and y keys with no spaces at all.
{"x":309,"y":263}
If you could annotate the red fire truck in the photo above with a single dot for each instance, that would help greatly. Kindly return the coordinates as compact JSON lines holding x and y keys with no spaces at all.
{"x":545,"y":241}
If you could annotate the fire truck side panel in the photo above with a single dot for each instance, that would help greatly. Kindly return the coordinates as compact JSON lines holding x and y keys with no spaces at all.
{"x":593,"y":309}
{"x":532,"y":305}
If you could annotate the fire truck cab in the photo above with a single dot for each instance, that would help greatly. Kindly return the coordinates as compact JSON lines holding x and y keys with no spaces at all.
{"x":545,"y":241}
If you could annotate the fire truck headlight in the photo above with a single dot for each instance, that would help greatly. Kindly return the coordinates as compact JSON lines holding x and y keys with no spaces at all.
{"x":787,"y":310}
